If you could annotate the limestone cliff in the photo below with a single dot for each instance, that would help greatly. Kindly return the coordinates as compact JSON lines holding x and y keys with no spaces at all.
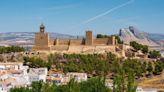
{"x":133,"y":34}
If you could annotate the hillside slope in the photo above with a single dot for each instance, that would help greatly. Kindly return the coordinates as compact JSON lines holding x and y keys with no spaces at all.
{"x":25,"y":38}
{"x":133,"y":34}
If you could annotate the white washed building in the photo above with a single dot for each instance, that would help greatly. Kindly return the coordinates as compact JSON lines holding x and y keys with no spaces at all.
{"x":37,"y":74}
{"x":16,"y":75}
{"x":79,"y":77}
{"x":140,"y":89}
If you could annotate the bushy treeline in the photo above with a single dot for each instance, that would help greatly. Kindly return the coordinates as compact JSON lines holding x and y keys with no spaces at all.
{"x":35,"y":62}
{"x":143,"y":68}
{"x":123,"y":72}
{"x":137,"y":46}
{"x":92,"y":64}
{"x":91,"y":85}
{"x":106,"y":36}
{"x":102,"y":36}
{"x":11,"y":49}
{"x":100,"y":65}
{"x":96,"y":64}
{"x":154,"y":54}
{"x":121,"y":83}
{"x":145,"y":49}
{"x":124,"y":81}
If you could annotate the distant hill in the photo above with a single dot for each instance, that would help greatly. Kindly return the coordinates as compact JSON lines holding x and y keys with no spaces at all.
{"x":25,"y":38}
{"x":134,"y":34}
{"x":126,"y":34}
{"x":159,"y":38}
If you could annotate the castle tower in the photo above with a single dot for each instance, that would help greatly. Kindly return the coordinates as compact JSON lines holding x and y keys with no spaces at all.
{"x":42,"y":28}
{"x":42,"y":39}
{"x":89,"y":38}
{"x":113,"y":40}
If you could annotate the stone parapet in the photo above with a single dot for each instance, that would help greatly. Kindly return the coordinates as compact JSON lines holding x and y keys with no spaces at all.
{"x":36,"y":48}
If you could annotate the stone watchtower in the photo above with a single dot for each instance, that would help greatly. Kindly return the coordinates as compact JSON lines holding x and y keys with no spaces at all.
{"x":89,"y":38}
{"x":42,"y":28}
{"x":42,"y":39}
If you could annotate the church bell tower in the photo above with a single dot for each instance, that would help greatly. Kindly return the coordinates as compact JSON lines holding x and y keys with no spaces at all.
{"x":42,"y":39}
{"x":42,"y":28}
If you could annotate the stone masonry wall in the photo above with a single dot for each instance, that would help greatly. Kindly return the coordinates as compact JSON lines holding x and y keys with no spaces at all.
{"x":42,"y":39}
{"x":76,"y":42}
{"x":100,"y":41}
{"x":63,"y":41}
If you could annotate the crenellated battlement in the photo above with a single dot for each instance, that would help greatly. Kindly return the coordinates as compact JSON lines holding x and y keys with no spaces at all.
{"x":89,"y":43}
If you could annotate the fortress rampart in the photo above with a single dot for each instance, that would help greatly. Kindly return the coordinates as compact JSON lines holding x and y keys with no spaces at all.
{"x":88,"y":44}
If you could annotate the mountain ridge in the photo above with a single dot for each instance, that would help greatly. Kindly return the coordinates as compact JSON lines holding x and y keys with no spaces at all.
{"x":133,"y":34}
{"x":25,"y":38}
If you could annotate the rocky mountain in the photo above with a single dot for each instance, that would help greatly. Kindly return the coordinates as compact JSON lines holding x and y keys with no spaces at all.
{"x":133,"y":34}
{"x":25,"y":38}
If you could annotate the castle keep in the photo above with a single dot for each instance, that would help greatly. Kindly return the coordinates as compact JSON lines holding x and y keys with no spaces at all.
{"x":87,"y":45}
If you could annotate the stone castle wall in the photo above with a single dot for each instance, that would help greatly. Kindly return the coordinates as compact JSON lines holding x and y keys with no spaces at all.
{"x":76,"y":42}
{"x":89,"y":44}
{"x":112,"y":40}
{"x":42,"y":39}
{"x":75,"y":49}
{"x":60,"y":48}
{"x":63,"y":42}
{"x":52,"y":42}
{"x":100,"y":41}
{"x":36,"y":48}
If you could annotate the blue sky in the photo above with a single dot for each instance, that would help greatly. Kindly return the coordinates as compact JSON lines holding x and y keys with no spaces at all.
{"x":76,"y":16}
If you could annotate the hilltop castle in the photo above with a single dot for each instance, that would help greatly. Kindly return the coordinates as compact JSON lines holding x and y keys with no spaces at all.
{"x":87,"y":45}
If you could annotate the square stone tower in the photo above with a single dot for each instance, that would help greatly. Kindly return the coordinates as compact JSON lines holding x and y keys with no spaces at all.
{"x":42,"y":40}
{"x":89,"y":38}
{"x":112,"y":40}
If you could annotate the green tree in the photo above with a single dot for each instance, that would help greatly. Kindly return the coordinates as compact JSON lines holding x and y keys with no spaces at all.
{"x":37,"y":86}
{"x":94,"y":85}
{"x":149,"y":68}
{"x":119,"y":82}
{"x":111,"y":57}
{"x":158,"y":68}
{"x":11,"y":49}
{"x":124,"y":82}
{"x":35,"y":62}
{"x":101,"y":36}
{"x":46,"y":87}
{"x":154,"y":54}
{"x":131,"y":86}
{"x":21,"y":89}
{"x":145,"y":49}
{"x":136,"y":45}
{"x":118,"y":39}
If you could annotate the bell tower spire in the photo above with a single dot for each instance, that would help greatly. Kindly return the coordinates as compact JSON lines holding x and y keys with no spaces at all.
{"x":42,"y":28}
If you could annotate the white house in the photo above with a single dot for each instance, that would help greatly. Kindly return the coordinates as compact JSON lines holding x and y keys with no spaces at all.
{"x":37,"y":74}
{"x":3,"y":89}
{"x":77,"y":76}
{"x":140,"y":89}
